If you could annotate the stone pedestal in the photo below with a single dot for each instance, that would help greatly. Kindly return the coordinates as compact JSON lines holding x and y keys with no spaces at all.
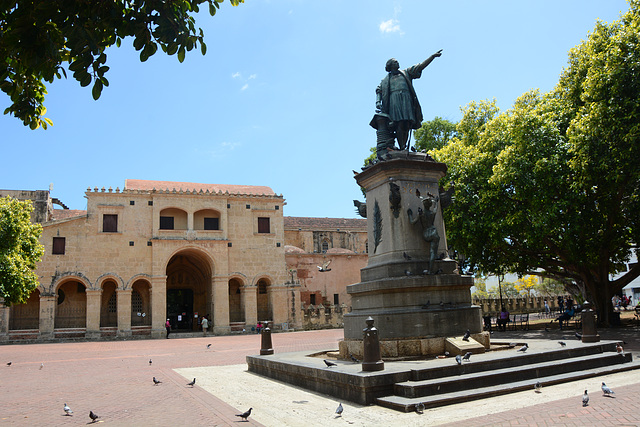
{"x":589,"y":331}
{"x":408,"y":302}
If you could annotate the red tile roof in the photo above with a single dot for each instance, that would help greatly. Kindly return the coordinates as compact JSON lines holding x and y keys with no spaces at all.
{"x":66,"y":213}
{"x":141,"y":184}
{"x":308,"y":223}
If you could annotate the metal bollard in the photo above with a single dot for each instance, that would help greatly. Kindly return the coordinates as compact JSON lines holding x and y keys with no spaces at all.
{"x":266,"y":347}
{"x":371,"y":360}
{"x":589,"y":332}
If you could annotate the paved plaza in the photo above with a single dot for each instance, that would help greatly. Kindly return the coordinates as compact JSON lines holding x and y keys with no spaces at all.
{"x":114,"y":380}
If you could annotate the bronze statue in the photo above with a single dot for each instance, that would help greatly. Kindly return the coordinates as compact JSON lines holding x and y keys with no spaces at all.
{"x":397,"y":107}
{"x":426,"y":218}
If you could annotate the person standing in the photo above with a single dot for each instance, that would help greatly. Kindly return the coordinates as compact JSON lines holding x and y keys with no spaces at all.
{"x":205,"y":326}
{"x":167,"y":325}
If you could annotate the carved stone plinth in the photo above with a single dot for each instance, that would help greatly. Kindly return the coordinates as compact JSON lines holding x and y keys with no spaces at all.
{"x":407,"y":299}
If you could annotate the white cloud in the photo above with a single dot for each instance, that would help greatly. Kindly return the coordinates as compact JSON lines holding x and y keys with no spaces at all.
{"x":252,"y":76}
{"x":245,"y":87}
{"x":235,"y":75}
{"x":390,"y":26}
{"x":229,"y":145}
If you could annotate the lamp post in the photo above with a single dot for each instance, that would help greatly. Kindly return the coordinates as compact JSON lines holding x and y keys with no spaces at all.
{"x":500,"y":279}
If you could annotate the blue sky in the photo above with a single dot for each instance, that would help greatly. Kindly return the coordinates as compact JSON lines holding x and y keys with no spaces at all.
{"x":285,"y":93}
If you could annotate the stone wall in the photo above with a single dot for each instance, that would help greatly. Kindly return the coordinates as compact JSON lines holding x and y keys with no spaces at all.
{"x":323,"y":316}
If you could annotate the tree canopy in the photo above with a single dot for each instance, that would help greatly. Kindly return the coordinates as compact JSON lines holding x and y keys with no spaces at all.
{"x":434,"y":134}
{"x":552,"y":186}
{"x":20,"y":250}
{"x":39,"y":36}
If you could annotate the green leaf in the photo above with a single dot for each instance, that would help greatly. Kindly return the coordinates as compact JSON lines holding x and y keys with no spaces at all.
{"x":203,"y":48}
{"x":86,"y":80}
{"x":181,"y":54}
{"x":97,"y":89}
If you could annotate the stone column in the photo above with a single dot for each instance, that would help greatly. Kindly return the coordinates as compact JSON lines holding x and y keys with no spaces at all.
{"x":221,"y":306}
{"x":93,"y":313}
{"x":158,"y":294}
{"x":47,"y":316}
{"x":250,"y":305}
{"x":4,"y":321}
{"x":124,"y":312}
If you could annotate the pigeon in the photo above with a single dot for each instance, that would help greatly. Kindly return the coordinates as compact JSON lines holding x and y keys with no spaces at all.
{"x":459,"y":359}
{"x":41,"y":365}
{"x":192,"y":383}
{"x":245,"y":415}
{"x":339,"y":409}
{"x":578,"y":335}
{"x":353,"y":359}
{"x":619,"y":348}
{"x":208,"y":346}
{"x":68,"y":410}
{"x":150,"y":362}
{"x":156,"y":382}
{"x":562,"y":343}
{"x":329,"y":364}
{"x":408,"y":273}
{"x":538,"y":387}
{"x":9,"y":363}
{"x":420,"y":408}
{"x":606,"y":390}
{"x":467,"y":356}
{"x":585,"y":399}
{"x":406,"y":256}
{"x":446,"y":354}
{"x":93,"y":416}
{"x":325,"y":267}
{"x":466,"y":336}
{"x":524,"y":348}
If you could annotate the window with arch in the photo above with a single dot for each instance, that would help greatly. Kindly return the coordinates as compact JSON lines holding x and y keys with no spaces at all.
{"x":136,"y":301}
{"x":325,"y":245}
{"x":262,"y":287}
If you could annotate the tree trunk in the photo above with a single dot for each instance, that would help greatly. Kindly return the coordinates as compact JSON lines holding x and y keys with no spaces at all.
{"x":602,"y":302}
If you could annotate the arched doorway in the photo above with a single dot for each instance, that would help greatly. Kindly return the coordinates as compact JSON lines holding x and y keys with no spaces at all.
{"x":140,"y":303}
{"x":188,"y":283}
{"x":264,"y":306}
{"x":26,"y":316}
{"x":109,"y":305}
{"x":236,"y":313}
{"x":71,"y":307}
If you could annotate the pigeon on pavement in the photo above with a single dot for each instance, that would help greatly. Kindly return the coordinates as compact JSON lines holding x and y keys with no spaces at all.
{"x":208,"y":345}
{"x":459,"y":359}
{"x":156,"y":382}
{"x":192,"y":383}
{"x":467,"y":356}
{"x":585,"y":399}
{"x":329,"y":364}
{"x":562,"y":343}
{"x":93,"y":416}
{"x":41,"y":365}
{"x":524,"y":348}
{"x":339,"y":409}
{"x":619,"y":348}
{"x":245,"y":415}
{"x":420,"y":408}
{"x":606,"y":390}
{"x":466,"y":335}
{"x":538,"y":387}
{"x":9,"y":363}
{"x":68,"y":410}
{"x":353,"y":359}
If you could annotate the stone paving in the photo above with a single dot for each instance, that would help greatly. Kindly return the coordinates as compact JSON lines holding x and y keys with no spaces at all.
{"x":114,"y":380}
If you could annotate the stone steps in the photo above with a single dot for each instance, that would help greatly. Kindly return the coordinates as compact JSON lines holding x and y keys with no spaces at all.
{"x":487,"y":379}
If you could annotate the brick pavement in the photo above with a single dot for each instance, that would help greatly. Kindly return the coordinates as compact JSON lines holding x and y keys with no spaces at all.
{"x":114,"y":380}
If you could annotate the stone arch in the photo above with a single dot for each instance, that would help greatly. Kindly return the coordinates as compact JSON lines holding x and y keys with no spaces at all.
{"x":141,"y":276}
{"x":71,"y":303}
{"x":109,"y":276}
{"x":109,"y":303}
{"x":236,"y":299}
{"x":207,"y":219}
{"x":60,"y":278}
{"x":264,"y":302}
{"x":189,"y":272}
{"x":141,"y":302}
{"x":179,"y":222}
{"x":26,"y":316}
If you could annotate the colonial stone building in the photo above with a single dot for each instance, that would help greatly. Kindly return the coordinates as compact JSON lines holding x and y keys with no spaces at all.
{"x":156,"y":250}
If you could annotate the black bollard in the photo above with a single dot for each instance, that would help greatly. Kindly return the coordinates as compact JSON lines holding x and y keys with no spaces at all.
{"x":265,"y":340}
{"x":371,"y":360}
{"x":589,"y":332}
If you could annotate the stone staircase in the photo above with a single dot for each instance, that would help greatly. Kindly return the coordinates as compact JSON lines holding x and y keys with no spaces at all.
{"x":483,"y":377}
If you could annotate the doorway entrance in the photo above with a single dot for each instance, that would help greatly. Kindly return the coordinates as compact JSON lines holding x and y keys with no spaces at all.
{"x":180,"y":308}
